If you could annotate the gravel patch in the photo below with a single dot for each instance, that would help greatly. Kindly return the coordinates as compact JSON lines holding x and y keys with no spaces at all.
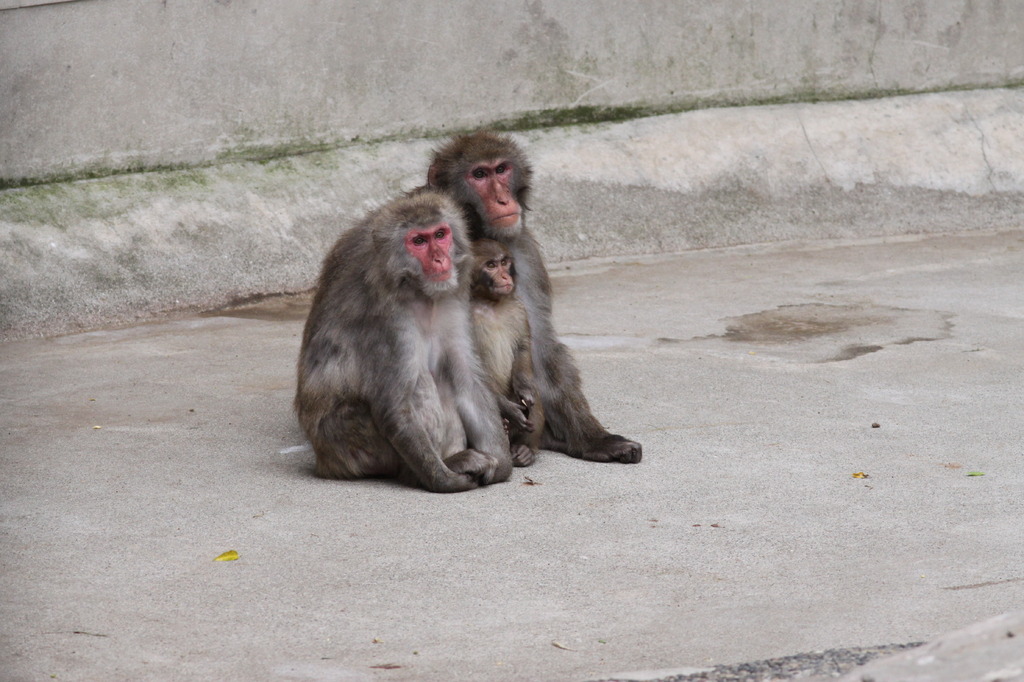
{"x":828,"y":663}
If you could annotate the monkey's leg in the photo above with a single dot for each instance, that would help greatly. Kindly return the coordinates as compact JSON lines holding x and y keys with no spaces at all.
{"x":421,"y":465}
{"x":348,"y":445}
{"x":571,"y":426}
{"x":457,"y":473}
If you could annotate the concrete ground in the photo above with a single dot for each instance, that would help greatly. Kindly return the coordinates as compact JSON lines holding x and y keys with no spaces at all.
{"x":832,"y":458}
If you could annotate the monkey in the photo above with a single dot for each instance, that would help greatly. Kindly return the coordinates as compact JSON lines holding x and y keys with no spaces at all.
{"x":502,"y":332}
{"x":389,"y":383}
{"x":488,"y":175}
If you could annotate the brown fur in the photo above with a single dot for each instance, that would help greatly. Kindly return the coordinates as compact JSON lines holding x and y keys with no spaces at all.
{"x":502,"y":331}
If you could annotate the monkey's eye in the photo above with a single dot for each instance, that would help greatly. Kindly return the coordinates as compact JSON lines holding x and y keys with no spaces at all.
{"x":479,"y":173}
{"x":440,"y":234}
{"x":490,"y":265}
{"x":501,"y":169}
{"x":419,"y":241}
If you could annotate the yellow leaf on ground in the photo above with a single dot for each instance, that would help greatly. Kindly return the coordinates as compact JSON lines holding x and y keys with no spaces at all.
{"x":229,"y":555}
{"x":860,"y":474}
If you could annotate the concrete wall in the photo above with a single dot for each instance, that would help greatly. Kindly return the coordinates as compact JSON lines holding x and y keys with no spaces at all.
{"x":100,"y":85}
{"x":227,"y":93}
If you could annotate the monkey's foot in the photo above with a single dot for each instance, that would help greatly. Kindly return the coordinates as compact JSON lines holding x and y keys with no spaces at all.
{"x":523,"y":455}
{"x":481,"y":467}
{"x":612,"y":448}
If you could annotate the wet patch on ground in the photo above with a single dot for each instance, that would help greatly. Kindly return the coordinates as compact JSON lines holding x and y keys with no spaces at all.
{"x":807,"y":333}
{"x":817,"y":332}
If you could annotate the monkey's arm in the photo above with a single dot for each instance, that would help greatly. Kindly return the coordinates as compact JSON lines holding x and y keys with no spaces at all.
{"x":409,"y":415}
{"x":512,"y":411}
{"x":510,"y":405}
{"x":517,"y":397}
{"x":477,"y":402}
{"x":411,"y":410}
{"x":524,"y":387}
{"x":484,"y":430}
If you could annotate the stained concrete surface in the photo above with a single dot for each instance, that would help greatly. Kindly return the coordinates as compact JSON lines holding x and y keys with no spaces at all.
{"x":132,"y":457}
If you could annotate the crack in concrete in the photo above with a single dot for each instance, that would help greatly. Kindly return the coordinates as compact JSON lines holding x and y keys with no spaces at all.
{"x":987,"y":583}
{"x":984,"y":154}
{"x":874,"y":44}
{"x":814,"y":152}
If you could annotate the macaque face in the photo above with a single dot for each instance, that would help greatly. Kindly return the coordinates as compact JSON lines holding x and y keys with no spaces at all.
{"x":494,"y":271}
{"x":493,"y":183}
{"x":431,"y":246}
{"x":499,"y":269}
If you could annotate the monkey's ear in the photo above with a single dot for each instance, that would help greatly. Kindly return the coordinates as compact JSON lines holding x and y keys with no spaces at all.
{"x":433,"y":174}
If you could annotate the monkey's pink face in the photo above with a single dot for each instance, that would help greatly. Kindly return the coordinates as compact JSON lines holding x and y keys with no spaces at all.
{"x":431,"y":246}
{"x":492,"y":181}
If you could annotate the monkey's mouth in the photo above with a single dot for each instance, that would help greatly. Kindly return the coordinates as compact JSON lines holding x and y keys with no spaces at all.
{"x":507,"y":220}
{"x":504,"y":289}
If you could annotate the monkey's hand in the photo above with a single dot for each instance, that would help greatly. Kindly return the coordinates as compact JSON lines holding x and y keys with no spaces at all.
{"x":612,"y":448}
{"x":515,"y":415}
{"x":524,"y":389}
{"x":526,"y":399}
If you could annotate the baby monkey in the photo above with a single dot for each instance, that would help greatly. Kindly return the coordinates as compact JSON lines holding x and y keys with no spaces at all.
{"x":502,"y":333}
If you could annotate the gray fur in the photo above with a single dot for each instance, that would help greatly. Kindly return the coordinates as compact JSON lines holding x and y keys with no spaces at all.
{"x":389,"y":383}
{"x":571,"y":426}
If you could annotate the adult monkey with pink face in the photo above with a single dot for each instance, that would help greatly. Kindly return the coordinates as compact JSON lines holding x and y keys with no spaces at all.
{"x":490,"y":177}
{"x":389,"y":383}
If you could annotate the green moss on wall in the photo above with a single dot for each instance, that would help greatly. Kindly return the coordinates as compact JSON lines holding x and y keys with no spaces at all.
{"x":64,"y":204}
{"x":273,"y":154}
